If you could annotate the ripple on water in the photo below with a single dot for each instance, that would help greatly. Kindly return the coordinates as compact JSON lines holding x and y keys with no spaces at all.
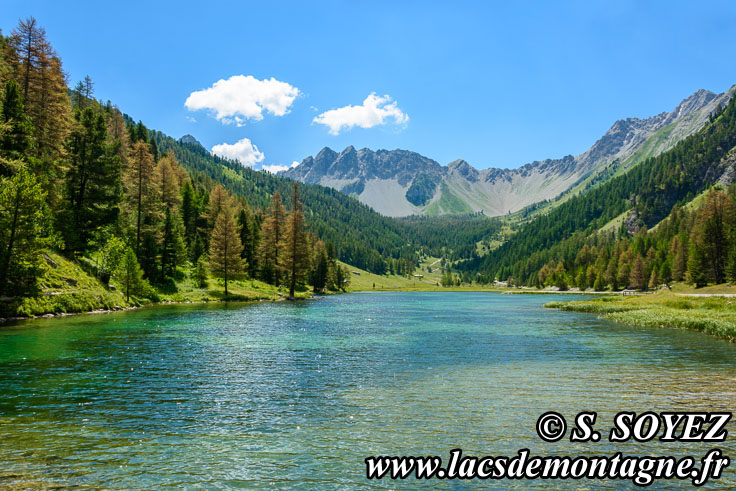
{"x":297,"y":395}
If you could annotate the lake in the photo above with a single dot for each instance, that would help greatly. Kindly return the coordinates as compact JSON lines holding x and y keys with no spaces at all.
{"x":299,"y":394}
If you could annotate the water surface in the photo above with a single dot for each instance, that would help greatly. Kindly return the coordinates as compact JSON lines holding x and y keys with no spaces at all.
{"x":298,"y":394}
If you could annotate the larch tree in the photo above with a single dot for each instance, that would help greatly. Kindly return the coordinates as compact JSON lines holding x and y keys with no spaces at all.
{"x":139,"y":187}
{"x":271,"y":235}
{"x":225,"y":246}
{"x":43,"y":84}
{"x":218,"y":200}
{"x":294,"y":259}
{"x":167,"y":181}
{"x":638,"y":279}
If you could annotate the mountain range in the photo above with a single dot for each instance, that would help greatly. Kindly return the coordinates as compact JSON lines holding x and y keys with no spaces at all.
{"x":401,"y":183}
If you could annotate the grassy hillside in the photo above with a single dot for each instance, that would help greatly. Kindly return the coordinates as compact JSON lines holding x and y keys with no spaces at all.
{"x":68,"y":287}
{"x":64,"y":288}
{"x":652,"y":188}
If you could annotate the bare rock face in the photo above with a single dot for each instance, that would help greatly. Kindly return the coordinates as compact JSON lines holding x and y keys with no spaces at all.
{"x":729,"y":169}
{"x":189,"y":139}
{"x":401,"y":182}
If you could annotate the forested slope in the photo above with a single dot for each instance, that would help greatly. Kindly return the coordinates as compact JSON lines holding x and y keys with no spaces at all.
{"x":650,"y":189}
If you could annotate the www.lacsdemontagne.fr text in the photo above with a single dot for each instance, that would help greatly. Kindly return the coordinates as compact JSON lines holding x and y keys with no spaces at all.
{"x":642,"y":471}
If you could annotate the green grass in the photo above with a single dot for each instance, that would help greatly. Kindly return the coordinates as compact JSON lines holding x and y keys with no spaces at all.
{"x":448,"y":203}
{"x":66,"y":288}
{"x":712,"y":315}
{"x":365,"y":281}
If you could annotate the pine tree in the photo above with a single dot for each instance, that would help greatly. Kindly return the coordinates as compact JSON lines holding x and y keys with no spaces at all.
{"x":248,"y":237}
{"x":295,"y":253}
{"x":200,"y":273}
{"x":225,"y":246}
{"x":712,"y":236}
{"x":731,"y":263}
{"x":270,"y":238}
{"x":697,"y":266}
{"x":611,"y":274}
{"x":130,"y":275}
{"x":600,"y":283}
{"x":319,"y":274}
{"x":93,"y":189}
{"x":22,"y":220}
{"x":172,"y":247}
{"x":16,"y":140}
{"x":189,"y":213}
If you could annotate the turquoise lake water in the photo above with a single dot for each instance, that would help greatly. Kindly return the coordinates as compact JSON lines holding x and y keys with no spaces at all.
{"x":299,"y":394}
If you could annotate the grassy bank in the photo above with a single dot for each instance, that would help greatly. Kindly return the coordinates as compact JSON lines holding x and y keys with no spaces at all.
{"x":67,"y":288}
{"x":712,"y":315}
{"x":364,"y":281}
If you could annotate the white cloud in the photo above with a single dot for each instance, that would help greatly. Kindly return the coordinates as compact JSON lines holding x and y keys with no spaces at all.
{"x":374,"y":111}
{"x":241,"y":98}
{"x":243,"y":151}
{"x":275,"y":168}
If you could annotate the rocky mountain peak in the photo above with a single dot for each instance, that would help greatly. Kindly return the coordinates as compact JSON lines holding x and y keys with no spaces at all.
{"x":189,"y":139}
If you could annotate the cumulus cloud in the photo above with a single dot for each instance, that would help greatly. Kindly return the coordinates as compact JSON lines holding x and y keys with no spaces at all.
{"x":243,"y":151}
{"x":276,"y":168}
{"x":241,"y":98}
{"x":374,"y":111}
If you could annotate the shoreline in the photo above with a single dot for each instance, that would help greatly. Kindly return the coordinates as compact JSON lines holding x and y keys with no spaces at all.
{"x":51,"y":315}
{"x":710,"y":314}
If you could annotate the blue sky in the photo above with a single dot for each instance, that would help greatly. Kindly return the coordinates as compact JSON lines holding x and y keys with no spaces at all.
{"x":498,"y":85}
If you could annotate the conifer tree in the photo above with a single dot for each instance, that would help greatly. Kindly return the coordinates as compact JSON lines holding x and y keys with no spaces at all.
{"x":638,"y":278}
{"x":679,"y":262}
{"x":217,"y":202}
{"x":16,"y":139}
{"x":249,"y":235}
{"x":22,"y":219}
{"x":130,"y":275}
{"x":200,"y":273}
{"x":139,"y":187}
{"x":697,"y":266}
{"x":93,"y":188}
{"x":653,"y":280}
{"x":167,"y":180}
{"x":225,"y":246}
{"x":43,"y":85}
{"x":172,"y":247}
{"x":270,"y":238}
{"x":188,"y":213}
{"x":320,"y":272}
{"x":295,"y":253}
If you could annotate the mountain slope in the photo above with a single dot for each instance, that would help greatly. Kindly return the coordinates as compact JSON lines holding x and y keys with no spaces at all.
{"x":402,"y":183}
{"x":647,"y":192}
